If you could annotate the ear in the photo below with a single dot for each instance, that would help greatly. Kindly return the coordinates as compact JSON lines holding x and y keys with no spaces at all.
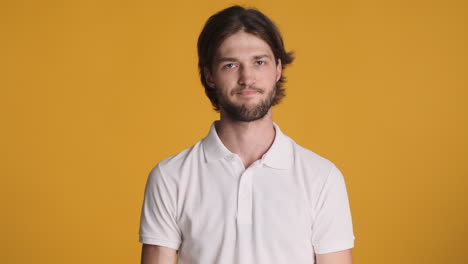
{"x":279,"y":69}
{"x":208,"y":77}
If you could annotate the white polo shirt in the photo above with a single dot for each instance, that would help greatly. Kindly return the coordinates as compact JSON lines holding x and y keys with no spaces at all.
{"x":284,"y":208}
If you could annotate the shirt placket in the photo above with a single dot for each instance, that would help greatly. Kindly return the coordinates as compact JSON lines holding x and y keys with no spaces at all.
{"x":244,"y":198}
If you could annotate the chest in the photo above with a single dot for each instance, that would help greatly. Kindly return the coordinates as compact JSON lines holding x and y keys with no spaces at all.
{"x":220,"y":201}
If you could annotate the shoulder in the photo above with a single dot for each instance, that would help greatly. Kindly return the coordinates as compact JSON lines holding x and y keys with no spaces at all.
{"x":306,"y":158}
{"x":321,"y":178}
{"x":174,"y":164}
{"x":314,"y":169}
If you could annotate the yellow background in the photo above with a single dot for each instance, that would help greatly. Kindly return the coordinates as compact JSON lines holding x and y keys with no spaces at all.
{"x":95,"y":93}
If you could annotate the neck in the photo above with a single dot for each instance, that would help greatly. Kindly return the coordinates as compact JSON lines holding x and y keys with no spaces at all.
{"x":249,"y":140}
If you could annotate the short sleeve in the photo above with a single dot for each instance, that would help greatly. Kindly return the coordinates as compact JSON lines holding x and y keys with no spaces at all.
{"x":158,"y":225}
{"x":332,"y":229}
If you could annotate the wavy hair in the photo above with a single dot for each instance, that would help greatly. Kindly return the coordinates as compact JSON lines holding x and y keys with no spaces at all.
{"x":228,"y":22}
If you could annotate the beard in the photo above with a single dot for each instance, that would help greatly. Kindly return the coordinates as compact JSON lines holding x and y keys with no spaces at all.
{"x":244,"y":112}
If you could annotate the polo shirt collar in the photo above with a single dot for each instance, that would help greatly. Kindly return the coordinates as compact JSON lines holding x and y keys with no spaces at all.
{"x":279,"y":155}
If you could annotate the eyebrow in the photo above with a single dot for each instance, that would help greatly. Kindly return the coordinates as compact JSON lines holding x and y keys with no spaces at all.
{"x":225,"y":59}
{"x":230,"y":59}
{"x":261,"y":56}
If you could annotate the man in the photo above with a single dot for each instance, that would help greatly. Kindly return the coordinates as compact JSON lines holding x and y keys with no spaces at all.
{"x":246,"y":193}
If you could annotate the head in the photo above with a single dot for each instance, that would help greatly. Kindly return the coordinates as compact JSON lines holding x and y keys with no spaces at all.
{"x":221,"y":36}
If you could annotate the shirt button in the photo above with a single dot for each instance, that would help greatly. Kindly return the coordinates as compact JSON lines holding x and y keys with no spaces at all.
{"x":229,"y":157}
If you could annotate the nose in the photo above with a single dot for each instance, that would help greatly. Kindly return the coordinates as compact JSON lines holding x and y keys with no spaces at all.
{"x":246,"y":76}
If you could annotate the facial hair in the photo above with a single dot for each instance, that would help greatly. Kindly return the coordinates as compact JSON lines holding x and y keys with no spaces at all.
{"x":242,"y":112}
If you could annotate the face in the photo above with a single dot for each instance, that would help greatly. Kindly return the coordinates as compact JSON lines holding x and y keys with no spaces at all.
{"x":244,"y":74}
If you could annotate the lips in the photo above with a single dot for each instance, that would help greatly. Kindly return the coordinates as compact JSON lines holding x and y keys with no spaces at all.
{"x":248,"y":91}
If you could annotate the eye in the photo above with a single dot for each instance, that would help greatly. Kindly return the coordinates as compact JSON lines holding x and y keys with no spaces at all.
{"x":229,"y":66}
{"x":260,"y":62}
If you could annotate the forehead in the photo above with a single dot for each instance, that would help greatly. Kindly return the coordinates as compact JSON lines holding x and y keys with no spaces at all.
{"x":243,"y":44}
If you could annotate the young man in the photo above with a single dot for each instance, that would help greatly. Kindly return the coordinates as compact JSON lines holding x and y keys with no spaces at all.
{"x":246,"y":193}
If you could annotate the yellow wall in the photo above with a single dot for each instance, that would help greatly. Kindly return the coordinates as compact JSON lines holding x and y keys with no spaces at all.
{"x":95,"y":93}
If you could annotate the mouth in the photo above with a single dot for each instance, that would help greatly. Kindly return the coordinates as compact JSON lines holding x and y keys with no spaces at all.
{"x":248,"y":92}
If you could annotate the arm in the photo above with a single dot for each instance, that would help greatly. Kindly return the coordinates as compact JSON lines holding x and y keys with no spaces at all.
{"x":151,"y":254}
{"x":333,"y":236}
{"x":159,"y":231}
{"x":340,"y":257}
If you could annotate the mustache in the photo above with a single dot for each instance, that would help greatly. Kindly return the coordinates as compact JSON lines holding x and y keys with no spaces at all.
{"x":240,"y":89}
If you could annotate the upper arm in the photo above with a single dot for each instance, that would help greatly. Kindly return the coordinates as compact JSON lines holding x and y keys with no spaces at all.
{"x":158,"y":222}
{"x":152,"y":254}
{"x":339,"y":257}
{"x":332,"y":229}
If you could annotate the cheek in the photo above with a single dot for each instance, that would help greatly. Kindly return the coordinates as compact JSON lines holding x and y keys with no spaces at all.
{"x":222,"y":87}
{"x":225,"y":80}
{"x":269,"y":77}
{"x":269,"y":72}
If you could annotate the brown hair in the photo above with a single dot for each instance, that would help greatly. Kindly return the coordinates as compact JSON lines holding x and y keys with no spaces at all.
{"x":228,"y":22}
